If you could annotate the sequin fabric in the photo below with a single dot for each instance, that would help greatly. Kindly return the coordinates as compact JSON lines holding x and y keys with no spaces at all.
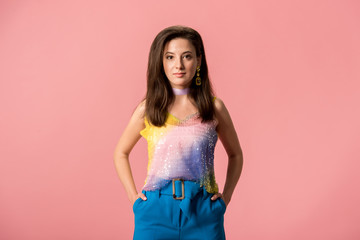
{"x":182,"y":148}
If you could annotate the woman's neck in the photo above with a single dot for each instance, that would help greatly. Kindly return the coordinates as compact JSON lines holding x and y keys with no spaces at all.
{"x":178,"y":91}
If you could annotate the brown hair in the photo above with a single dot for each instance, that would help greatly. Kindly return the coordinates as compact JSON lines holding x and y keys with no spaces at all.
{"x":159,"y":93}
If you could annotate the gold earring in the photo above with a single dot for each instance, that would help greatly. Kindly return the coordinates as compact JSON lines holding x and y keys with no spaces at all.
{"x":198,"y":79}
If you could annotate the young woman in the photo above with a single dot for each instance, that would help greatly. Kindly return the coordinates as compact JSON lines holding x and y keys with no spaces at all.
{"x":181,"y":120}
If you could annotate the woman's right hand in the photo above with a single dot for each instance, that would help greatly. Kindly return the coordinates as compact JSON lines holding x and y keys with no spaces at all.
{"x":139,"y":195}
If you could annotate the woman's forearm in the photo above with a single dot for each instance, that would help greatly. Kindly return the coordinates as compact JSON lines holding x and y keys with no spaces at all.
{"x":234,"y":170}
{"x":123,"y":169}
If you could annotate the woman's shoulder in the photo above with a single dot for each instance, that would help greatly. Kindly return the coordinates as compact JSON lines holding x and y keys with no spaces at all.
{"x":139,"y":111}
{"x":218,"y":104}
{"x":220,"y":109}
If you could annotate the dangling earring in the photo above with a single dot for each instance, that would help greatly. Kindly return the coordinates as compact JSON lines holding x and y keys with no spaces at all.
{"x":198,"y":79}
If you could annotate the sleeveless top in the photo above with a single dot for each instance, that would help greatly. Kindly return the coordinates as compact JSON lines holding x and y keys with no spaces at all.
{"x":181,"y":149}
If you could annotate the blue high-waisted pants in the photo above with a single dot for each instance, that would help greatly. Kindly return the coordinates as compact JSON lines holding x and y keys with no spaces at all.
{"x":196,"y":217}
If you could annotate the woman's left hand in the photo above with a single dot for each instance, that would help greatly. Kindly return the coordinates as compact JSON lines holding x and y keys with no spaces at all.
{"x":220,"y":195}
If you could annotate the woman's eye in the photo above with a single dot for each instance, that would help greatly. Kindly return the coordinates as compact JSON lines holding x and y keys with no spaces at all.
{"x":186,"y":56}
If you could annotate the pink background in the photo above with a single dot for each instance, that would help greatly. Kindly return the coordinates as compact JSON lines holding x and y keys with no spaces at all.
{"x":72,"y":72}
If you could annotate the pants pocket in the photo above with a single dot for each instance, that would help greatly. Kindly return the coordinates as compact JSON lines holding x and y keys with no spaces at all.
{"x":136,"y":203}
{"x":223,"y":204}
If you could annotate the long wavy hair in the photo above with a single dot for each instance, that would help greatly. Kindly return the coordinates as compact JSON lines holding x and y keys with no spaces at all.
{"x":159,"y":95}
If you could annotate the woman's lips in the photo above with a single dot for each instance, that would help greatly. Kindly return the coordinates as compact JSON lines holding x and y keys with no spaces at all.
{"x":179,"y":74}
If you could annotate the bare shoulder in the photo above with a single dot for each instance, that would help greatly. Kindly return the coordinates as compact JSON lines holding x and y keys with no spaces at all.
{"x":220,"y":108}
{"x":131,"y":133}
{"x":226,"y":129}
{"x":139,"y":111}
{"x":137,"y":122}
{"x":218,"y":103}
{"x":222,"y":115}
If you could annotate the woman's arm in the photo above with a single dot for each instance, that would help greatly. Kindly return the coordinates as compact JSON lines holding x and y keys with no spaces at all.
{"x":128,"y":139}
{"x":227,"y":135}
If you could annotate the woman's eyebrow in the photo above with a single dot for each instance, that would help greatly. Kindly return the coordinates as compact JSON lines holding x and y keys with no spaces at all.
{"x":182,"y":53}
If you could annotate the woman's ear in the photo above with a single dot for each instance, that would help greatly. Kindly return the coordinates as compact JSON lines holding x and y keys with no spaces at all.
{"x":199,"y":61}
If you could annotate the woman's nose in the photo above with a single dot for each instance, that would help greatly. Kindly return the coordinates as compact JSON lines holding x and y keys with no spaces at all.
{"x":179,"y":63}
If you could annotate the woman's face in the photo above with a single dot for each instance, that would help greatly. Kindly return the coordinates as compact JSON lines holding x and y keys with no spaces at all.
{"x":180,"y":57}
